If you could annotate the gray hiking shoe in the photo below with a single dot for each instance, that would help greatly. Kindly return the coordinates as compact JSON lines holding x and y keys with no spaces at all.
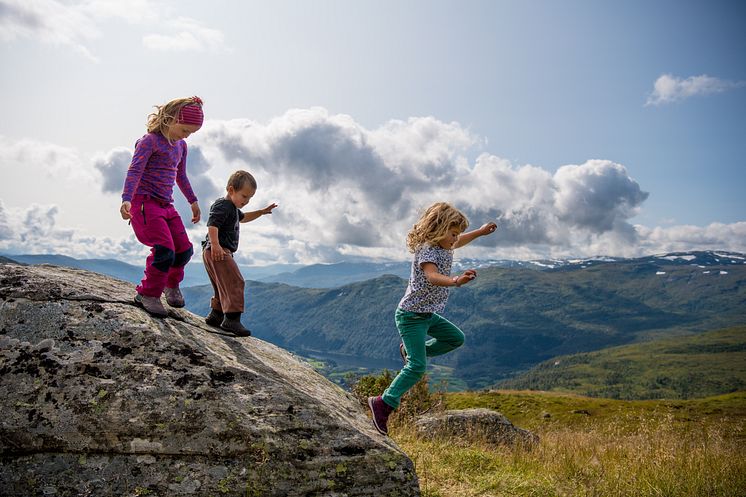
{"x":151,"y":304}
{"x":174,"y":298}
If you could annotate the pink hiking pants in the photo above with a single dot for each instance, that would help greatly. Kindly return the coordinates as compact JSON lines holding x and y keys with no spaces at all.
{"x":157,"y":224}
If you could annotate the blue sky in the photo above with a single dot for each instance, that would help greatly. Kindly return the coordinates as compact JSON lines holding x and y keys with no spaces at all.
{"x":583,"y":127}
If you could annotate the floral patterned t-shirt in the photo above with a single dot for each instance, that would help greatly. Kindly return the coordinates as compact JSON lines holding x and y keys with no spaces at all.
{"x":421,"y":295}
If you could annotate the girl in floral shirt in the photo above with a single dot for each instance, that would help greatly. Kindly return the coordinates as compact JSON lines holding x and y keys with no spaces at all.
{"x":432,"y":240}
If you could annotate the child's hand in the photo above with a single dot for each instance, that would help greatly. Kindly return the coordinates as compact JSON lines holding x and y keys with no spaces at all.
{"x":465,"y":278}
{"x":124,"y":210}
{"x":218,"y":253}
{"x":268,"y":209}
{"x":488,"y":228}
{"x":196,"y":214}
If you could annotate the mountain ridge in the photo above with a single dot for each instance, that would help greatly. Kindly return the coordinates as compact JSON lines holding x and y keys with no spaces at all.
{"x":514,"y":317}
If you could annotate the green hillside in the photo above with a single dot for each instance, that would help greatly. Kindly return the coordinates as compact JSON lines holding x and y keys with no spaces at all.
{"x":588,"y":447}
{"x":674,"y":368}
{"x":513,"y":318}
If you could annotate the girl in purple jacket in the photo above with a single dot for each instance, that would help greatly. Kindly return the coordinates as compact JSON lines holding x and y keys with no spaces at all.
{"x":158,"y":162}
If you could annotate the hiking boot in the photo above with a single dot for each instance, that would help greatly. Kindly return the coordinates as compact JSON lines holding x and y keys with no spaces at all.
{"x":403,"y":353}
{"x":214,"y":318}
{"x":152,"y":305}
{"x":174,"y":298}
{"x":234,"y":326}
{"x":381,"y":412}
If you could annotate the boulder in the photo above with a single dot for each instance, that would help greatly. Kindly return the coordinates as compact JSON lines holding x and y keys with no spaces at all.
{"x":474,"y":426}
{"x":98,"y":398}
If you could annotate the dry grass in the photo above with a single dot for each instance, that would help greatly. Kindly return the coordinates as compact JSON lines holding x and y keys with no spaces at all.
{"x":648,"y":456}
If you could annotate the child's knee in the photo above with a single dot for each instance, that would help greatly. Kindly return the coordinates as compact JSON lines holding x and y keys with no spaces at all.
{"x":182,"y":258}
{"x":416,"y":368}
{"x":163,"y":258}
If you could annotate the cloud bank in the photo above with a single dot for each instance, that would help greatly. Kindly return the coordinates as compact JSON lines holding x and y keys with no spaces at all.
{"x":346,"y":192}
{"x":76,"y":24}
{"x":668,"y":89}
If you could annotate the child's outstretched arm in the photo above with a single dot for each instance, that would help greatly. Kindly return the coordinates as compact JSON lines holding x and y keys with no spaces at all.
{"x":437,"y":279}
{"x":250,"y":216}
{"x":468,"y":237}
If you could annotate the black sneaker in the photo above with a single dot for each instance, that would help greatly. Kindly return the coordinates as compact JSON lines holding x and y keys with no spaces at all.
{"x":214,"y":318}
{"x":234,"y":326}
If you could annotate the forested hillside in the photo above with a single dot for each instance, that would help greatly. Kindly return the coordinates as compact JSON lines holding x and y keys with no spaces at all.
{"x":681,"y":367}
{"x":513,"y":318}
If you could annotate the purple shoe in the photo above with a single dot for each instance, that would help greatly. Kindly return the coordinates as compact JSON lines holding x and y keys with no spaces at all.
{"x":381,"y":412}
{"x":151,"y":304}
{"x":174,"y":298}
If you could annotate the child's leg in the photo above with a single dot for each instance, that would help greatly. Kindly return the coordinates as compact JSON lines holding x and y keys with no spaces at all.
{"x":230,"y":285}
{"x":151,"y":229}
{"x":446,"y":336}
{"x":210,"y":268}
{"x":182,"y":247}
{"x":413,"y":329}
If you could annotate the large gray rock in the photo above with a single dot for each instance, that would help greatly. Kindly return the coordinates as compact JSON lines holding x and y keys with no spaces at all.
{"x":474,"y":425}
{"x":97,"y":398}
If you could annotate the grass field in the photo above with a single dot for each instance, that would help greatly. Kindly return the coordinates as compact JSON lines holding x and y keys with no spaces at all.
{"x":590,"y":447}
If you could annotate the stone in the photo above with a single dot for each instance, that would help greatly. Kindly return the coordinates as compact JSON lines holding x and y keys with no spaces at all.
{"x":98,"y":398}
{"x":466,"y":426}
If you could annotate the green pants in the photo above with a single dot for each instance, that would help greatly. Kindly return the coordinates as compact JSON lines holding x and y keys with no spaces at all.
{"x":414,"y":327}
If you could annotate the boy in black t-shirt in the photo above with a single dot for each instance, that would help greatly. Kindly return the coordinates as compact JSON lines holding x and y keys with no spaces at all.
{"x":227,"y":305}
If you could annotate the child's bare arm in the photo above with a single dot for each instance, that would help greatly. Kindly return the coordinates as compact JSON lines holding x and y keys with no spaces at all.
{"x":218,"y":254}
{"x":437,"y":279}
{"x":468,"y":237}
{"x":250,"y":216}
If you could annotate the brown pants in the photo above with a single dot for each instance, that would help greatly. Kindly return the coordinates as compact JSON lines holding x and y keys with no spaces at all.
{"x":227,"y":283}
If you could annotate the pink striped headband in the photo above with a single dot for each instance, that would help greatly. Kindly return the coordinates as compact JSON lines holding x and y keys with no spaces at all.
{"x":192,"y":113}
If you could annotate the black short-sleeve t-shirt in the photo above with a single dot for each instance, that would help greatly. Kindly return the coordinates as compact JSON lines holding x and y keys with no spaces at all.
{"x":226,"y":218}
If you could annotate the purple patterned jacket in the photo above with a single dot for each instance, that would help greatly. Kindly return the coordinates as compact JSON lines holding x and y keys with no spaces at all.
{"x":156,"y":166}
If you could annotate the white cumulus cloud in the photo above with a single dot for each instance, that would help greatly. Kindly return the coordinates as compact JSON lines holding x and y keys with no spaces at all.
{"x":77,"y":24}
{"x":668,"y":88}
{"x":344,"y":192}
{"x":185,"y":35}
{"x":48,"y":21}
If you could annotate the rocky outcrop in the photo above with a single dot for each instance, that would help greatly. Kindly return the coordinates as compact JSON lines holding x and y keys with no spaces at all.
{"x":474,"y":426}
{"x":98,"y":398}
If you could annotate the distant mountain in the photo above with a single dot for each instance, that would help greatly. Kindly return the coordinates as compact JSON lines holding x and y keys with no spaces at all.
{"x":681,"y":367}
{"x":111,"y":267}
{"x":339,"y":274}
{"x":514,"y":318}
{"x":194,"y":273}
{"x":515,"y":315}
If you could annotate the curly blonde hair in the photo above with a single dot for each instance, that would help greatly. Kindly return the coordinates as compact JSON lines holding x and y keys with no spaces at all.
{"x":168,"y":113}
{"x":434,"y":224}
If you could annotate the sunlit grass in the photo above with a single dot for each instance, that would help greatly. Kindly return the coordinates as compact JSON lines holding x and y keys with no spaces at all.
{"x":642,"y":452}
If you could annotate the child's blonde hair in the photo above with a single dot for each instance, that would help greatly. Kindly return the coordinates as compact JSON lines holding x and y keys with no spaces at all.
{"x":168,"y":114}
{"x":434,"y":225}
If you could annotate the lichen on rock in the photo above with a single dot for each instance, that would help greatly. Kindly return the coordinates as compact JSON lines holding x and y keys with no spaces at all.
{"x":99,"y":398}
